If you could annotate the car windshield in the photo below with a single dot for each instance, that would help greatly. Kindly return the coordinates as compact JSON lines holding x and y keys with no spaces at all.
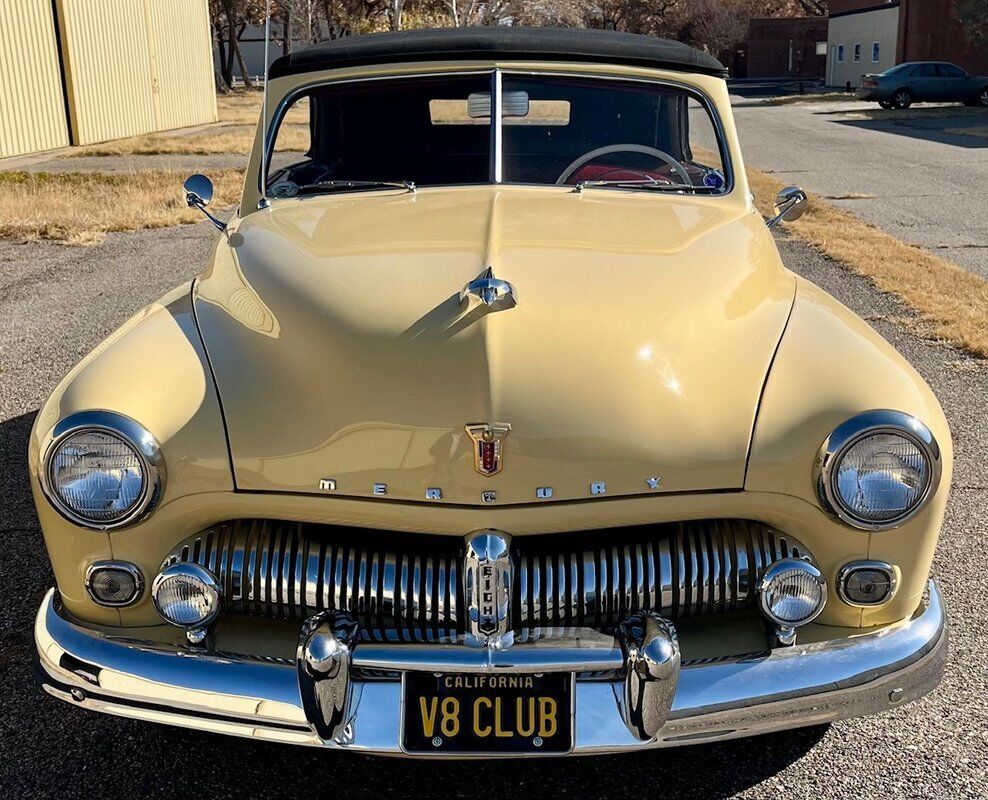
{"x":431,"y":131}
{"x":896,"y":70}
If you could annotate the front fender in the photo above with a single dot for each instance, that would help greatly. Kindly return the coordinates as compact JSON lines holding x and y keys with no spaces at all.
{"x":154,"y":370}
{"x":831,"y":365}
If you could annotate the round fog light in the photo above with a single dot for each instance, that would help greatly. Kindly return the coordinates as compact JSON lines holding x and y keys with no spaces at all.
{"x":114,"y":583}
{"x":866,"y":583}
{"x":792,"y":592}
{"x":186,"y":595}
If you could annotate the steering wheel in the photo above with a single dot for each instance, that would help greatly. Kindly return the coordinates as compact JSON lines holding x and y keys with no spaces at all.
{"x":624,"y":148}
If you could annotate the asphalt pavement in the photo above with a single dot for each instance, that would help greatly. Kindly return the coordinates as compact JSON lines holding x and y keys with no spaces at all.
{"x":57,"y":302}
{"x":917,"y":175}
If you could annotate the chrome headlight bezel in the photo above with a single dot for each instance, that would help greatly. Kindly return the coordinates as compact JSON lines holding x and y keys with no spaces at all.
{"x":211,"y":587}
{"x":784,"y":565}
{"x":857,"y":428}
{"x":132,"y":433}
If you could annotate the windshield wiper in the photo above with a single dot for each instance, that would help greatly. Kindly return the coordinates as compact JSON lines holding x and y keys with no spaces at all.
{"x":355,"y":186}
{"x":649,"y":184}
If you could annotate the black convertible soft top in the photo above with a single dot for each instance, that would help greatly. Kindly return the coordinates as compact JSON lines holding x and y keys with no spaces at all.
{"x":553,"y":44}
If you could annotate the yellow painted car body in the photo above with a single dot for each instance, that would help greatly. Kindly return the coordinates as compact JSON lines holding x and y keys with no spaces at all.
{"x":655,"y":336}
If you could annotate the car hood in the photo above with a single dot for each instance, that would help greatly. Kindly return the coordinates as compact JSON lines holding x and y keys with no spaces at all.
{"x":643,"y":332}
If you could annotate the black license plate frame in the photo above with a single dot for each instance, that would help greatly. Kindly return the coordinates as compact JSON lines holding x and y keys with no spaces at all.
{"x":486,"y":710}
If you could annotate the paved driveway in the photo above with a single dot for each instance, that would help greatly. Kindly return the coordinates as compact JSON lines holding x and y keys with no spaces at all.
{"x":918,"y":175}
{"x":57,"y":302}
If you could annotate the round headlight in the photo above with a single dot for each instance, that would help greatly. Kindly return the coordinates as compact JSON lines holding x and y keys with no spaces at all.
{"x":792,"y":592}
{"x":878,"y":469}
{"x":101,"y":470}
{"x":186,"y":595}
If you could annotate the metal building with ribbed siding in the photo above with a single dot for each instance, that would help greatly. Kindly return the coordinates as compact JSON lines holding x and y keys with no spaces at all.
{"x":85,"y":71}
{"x":32,"y":103}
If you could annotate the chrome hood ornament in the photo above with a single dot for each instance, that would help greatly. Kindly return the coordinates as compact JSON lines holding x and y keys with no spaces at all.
{"x":489,"y":290}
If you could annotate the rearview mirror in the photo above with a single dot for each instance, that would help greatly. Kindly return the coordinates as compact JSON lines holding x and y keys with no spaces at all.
{"x":790,"y":205}
{"x":513,"y":104}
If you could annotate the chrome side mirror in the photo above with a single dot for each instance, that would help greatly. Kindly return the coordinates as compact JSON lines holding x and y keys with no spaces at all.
{"x":199,"y":194}
{"x":790,"y":205}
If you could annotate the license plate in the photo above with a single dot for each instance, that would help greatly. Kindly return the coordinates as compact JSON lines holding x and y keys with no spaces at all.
{"x":478,"y":713}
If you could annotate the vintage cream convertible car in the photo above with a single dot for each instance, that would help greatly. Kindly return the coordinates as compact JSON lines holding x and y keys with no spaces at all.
{"x":495,"y":427}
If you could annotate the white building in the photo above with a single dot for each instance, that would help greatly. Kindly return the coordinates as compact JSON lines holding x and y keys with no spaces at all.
{"x":860,"y":41}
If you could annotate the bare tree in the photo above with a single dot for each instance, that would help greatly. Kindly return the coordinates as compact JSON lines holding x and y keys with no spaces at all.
{"x":477,"y":12}
{"x":393,"y":10}
{"x":973,"y":17}
{"x":229,"y":19}
{"x":627,"y":15}
{"x":710,"y":25}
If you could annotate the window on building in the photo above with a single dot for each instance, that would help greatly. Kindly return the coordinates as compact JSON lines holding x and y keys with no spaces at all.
{"x":876,"y":52}
{"x":840,"y":54}
{"x":857,"y":52}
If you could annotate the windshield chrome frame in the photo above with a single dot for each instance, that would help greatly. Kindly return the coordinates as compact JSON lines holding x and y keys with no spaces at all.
{"x":496,"y":172}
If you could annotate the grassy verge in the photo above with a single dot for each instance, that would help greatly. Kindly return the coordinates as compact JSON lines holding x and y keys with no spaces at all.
{"x":234,"y":140}
{"x":82,"y":207}
{"x":951,"y":303}
{"x":238,"y":113}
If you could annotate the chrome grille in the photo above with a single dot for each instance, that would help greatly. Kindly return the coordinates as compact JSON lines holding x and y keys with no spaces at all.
{"x":408,"y":587}
{"x":680,"y":570}
{"x":401,"y":588}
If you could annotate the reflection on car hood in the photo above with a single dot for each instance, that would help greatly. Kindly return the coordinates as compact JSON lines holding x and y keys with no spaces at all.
{"x":638,"y":348}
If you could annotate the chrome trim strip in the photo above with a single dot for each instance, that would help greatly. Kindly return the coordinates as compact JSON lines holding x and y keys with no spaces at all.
{"x":497,"y":128}
{"x":853,"y":430}
{"x":133,"y":433}
{"x":783,"y":688}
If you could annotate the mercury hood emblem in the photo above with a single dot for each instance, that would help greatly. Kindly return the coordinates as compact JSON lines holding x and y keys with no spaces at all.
{"x":487,"y":445}
{"x":489,"y":290}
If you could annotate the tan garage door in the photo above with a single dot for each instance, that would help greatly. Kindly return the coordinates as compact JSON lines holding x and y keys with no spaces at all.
{"x":136,"y":66}
{"x":32,"y":104}
{"x":182,"y":63}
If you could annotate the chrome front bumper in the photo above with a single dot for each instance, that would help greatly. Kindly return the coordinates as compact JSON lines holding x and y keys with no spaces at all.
{"x":784,"y":688}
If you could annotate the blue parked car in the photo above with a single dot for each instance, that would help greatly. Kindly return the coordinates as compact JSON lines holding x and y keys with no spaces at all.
{"x":924,"y":81}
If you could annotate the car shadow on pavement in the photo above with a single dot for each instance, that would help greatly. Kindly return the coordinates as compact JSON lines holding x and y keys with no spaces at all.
{"x":943,"y":131}
{"x":52,"y":749}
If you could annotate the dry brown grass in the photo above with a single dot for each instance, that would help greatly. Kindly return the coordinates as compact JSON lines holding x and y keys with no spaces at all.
{"x":952,"y":303}
{"x":82,"y":207}
{"x":233,"y":135}
{"x":820,"y":97}
{"x":224,"y":140}
{"x":244,"y":108}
